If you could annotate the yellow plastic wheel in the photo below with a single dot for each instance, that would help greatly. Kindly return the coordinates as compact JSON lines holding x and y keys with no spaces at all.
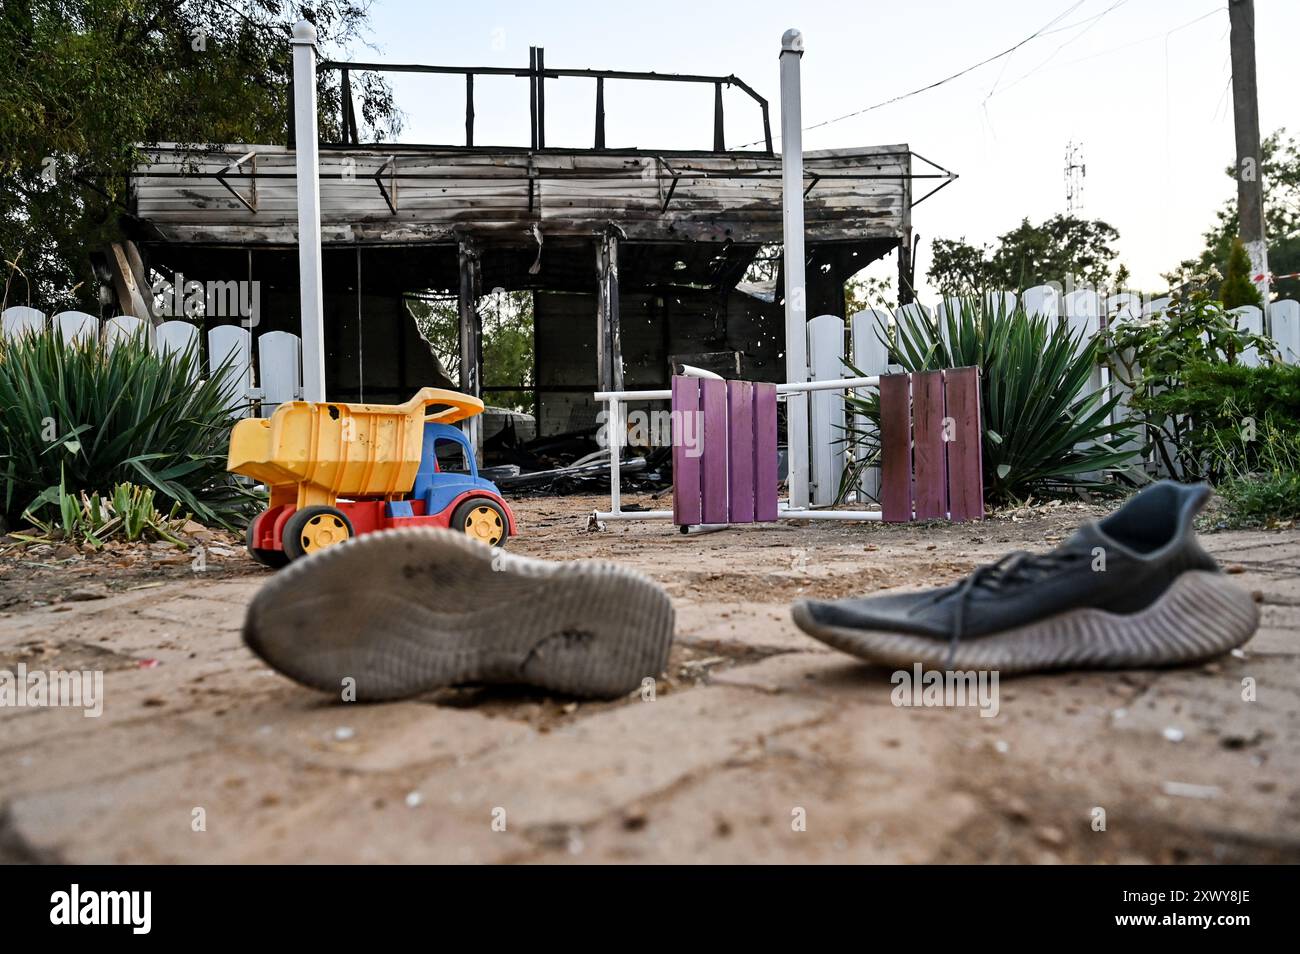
{"x":312,"y":529}
{"x":483,"y":520}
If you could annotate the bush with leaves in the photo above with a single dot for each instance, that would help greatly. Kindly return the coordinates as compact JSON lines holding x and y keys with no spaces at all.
{"x":87,"y":418}
{"x":1221,"y":409}
{"x":1044,"y":431}
{"x":1152,"y":357}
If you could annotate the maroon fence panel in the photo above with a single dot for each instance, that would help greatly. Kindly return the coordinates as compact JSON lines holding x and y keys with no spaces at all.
{"x":965,"y":445}
{"x":928,"y":458}
{"x":687,"y":504}
{"x":713,"y":463}
{"x":740,"y":451}
{"x":896,"y":448}
{"x":765,"y":463}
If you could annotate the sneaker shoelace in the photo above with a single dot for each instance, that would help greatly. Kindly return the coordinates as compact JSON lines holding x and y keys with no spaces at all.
{"x":1018,"y":568}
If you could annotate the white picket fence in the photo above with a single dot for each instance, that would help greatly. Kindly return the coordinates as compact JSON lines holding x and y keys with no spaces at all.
{"x":1083,"y":310}
{"x":279,"y":353}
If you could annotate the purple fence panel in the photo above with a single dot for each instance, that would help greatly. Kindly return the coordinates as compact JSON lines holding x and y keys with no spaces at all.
{"x":740,"y":451}
{"x":928,"y":446}
{"x":965,"y":447}
{"x":896,"y":448}
{"x":765,"y":462}
{"x":713,"y":469}
{"x":687,"y":507}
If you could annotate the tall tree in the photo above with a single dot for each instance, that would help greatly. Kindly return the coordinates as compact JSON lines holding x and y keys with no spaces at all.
{"x":85,"y":83}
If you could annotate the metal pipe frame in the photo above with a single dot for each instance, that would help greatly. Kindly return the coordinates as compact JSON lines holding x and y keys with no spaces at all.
{"x":614,"y":402}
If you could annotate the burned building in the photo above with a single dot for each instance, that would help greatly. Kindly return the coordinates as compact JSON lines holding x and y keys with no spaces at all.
{"x":635,"y":257}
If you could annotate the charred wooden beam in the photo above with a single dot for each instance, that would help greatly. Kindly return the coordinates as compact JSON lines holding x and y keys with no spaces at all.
{"x":471,"y":336}
{"x":469,"y":109}
{"x":609,"y":338}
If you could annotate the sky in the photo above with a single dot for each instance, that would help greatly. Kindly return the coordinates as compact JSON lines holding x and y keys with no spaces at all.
{"x":1142,"y":86}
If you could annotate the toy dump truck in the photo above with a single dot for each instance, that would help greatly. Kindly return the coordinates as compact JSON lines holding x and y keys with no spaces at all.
{"x":336,"y":471}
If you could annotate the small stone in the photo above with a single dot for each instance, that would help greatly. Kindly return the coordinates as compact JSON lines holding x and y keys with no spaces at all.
{"x":1173,"y":734}
{"x":343,"y":733}
{"x":86,"y":593}
{"x":1050,"y":835}
{"x":413,"y":799}
{"x":1234,"y":568}
{"x":635,"y":818}
{"x":1002,"y":746}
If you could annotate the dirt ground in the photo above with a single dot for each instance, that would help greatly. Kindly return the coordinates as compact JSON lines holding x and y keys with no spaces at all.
{"x":759,"y":744}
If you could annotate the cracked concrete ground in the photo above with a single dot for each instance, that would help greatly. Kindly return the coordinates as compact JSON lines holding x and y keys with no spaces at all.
{"x":760,"y":744}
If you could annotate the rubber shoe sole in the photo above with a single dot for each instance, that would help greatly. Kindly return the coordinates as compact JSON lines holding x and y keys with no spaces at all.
{"x":1201,"y":615}
{"x":406,"y":611}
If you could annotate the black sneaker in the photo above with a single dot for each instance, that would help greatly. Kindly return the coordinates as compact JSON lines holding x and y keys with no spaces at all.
{"x":1133,"y":590}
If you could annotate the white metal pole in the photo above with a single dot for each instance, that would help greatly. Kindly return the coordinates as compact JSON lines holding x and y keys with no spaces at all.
{"x":796,"y":307}
{"x":308,"y":168}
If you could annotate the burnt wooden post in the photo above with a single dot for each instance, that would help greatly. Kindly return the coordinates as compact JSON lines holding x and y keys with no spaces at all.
{"x":600,"y":112}
{"x":609,"y":347}
{"x":469,"y":109}
{"x":541,"y":98}
{"x":906,"y":280}
{"x":471,"y":333}
{"x":719,"y":134}
{"x":532,"y":93}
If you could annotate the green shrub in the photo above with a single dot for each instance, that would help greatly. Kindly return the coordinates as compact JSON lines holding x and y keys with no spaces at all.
{"x":1152,"y":358}
{"x":1043,"y":431}
{"x":88,"y":418}
{"x":1221,"y":409}
{"x":1262,"y":482}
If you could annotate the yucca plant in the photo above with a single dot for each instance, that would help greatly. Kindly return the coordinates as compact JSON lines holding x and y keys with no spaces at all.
{"x":1043,"y":430}
{"x":88,"y":418}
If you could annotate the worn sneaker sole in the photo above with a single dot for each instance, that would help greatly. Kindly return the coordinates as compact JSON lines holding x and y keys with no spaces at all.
{"x":405,"y":611}
{"x":1199,"y":616}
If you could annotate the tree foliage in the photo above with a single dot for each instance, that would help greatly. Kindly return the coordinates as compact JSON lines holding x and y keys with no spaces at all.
{"x":1279,"y":168}
{"x":1061,"y":247}
{"x":85,"y":83}
{"x":1237,"y":289}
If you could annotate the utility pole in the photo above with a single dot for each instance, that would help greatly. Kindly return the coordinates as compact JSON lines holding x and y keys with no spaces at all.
{"x":1245,"y":116}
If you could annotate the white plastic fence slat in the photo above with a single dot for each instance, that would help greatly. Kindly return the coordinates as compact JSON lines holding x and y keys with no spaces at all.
{"x":826,"y":433}
{"x":1124,"y":311}
{"x":279,"y":363}
{"x":123,"y":328}
{"x":76,"y":326}
{"x":1000,"y":302}
{"x":1156,"y":306}
{"x":916,"y":310}
{"x":1123,"y":306}
{"x":233,"y":344}
{"x":871,"y":357}
{"x":1042,"y":300}
{"x":177,"y":337}
{"x":1249,"y":318}
{"x":18,"y":320}
{"x":1082,"y":303}
{"x":1285,"y":318}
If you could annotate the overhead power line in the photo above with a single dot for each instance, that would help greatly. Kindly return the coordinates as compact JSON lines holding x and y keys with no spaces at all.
{"x":948,"y":79}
